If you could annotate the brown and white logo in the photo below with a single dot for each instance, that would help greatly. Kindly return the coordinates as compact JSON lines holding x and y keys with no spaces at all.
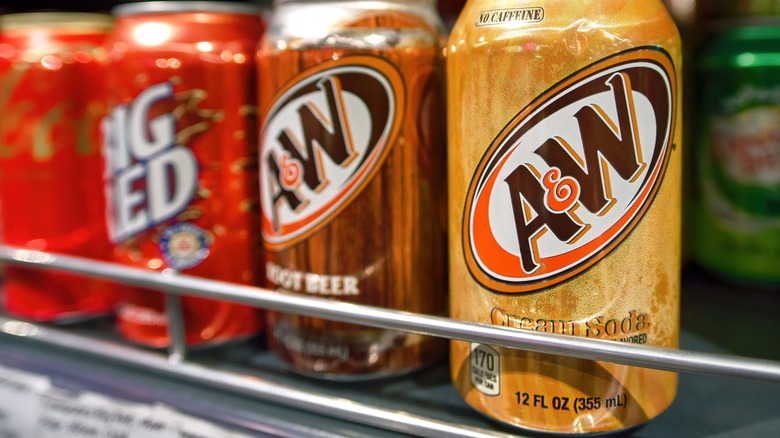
{"x":325,"y":137}
{"x":572,"y":173}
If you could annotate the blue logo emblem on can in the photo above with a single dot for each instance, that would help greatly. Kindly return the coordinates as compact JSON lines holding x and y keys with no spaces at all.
{"x":184,"y":245}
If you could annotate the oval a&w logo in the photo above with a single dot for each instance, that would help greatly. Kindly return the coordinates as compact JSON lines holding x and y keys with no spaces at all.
{"x":572,"y":174}
{"x":325,"y":137}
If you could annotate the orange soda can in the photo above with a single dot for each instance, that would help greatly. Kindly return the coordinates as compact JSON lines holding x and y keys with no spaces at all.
{"x":52,"y":98}
{"x":564,"y":204}
{"x":352,"y":182}
{"x":180,"y":147}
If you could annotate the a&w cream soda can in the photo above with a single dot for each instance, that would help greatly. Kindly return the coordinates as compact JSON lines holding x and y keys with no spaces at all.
{"x":564,"y":204}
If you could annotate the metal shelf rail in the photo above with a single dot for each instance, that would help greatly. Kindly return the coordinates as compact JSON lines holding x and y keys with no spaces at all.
{"x":176,"y":364}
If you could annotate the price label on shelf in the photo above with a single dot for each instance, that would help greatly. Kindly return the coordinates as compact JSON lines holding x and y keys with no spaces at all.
{"x":114,"y":419}
{"x":30,"y":406}
{"x":190,"y":427}
{"x":154,"y":422}
{"x":20,"y":397}
{"x":62,"y":416}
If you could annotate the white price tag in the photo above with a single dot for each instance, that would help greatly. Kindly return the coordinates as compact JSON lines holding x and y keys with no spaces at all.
{"x":20,"y":395}
{"x":154,"y":422}
{"x":31,"y":407}
{"x":190,"y":427}
{"x":64,"y":416}
{"x":114,"y":419}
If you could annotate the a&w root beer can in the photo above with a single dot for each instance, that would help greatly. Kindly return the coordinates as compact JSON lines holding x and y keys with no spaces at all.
{"x":564,"y":167}
{"x":352,"y":184}
{"x":181,"y":169}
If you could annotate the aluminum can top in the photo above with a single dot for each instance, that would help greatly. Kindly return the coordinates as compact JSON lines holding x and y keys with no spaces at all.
{"x":302,"y":24}
{"x":66,"y":21}
{"x":156,"y":7}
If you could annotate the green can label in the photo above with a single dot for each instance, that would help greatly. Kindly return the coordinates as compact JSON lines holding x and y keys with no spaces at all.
{"x":746,"y":150}
{"x":738,"y":219}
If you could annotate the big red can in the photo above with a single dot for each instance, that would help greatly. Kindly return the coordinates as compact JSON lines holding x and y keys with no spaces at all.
{"x":565,"y":195}
{"x":352,"y":183}
{"x":52,"y":74}
{"x":180,"y":149}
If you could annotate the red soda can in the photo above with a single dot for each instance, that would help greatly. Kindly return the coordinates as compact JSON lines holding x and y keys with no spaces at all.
{"x":52,"y":73}
{"x":180,"y":145}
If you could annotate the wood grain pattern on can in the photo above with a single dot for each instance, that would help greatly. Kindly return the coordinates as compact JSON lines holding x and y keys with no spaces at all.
{"x":352,"y":190}
{"x":564,"y":168}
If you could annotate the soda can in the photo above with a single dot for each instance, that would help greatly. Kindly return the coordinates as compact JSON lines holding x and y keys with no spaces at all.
{"x":352,"y":186}
{"x":180,"y":146}
{"x":737,"y":218}
{"x":52,"y":74}
{"x":564,"y":194}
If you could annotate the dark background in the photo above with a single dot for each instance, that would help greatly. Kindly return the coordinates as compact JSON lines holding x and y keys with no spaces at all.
{"x":13,"y":6}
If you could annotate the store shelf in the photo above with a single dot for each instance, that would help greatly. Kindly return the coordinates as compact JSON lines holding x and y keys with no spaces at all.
{"x":246,"y":387}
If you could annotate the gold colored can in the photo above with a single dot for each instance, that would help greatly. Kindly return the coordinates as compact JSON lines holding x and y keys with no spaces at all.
{"x":564,"y":165}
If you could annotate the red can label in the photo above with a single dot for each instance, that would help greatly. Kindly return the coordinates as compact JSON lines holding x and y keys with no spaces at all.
{"x":52,"y":98}
{"x":150,"y":177}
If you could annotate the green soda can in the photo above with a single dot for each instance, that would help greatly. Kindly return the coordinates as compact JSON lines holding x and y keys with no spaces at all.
{"x":737,"y":212}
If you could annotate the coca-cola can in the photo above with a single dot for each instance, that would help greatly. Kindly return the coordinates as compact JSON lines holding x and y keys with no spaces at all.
{"x":52,"y":98}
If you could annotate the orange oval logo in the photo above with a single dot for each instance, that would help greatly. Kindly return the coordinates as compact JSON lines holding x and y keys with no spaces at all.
{"x":323,"y":140}
{"x":572,"y":174}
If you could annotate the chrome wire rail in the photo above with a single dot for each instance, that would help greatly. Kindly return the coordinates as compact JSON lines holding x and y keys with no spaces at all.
{"x":249,"y":385}
{"x":175,"y":285}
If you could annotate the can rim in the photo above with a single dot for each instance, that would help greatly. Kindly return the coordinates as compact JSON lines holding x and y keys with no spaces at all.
{"x":152,"y":7}
{"x":737,"y":22}
{"x":62,"y":20}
